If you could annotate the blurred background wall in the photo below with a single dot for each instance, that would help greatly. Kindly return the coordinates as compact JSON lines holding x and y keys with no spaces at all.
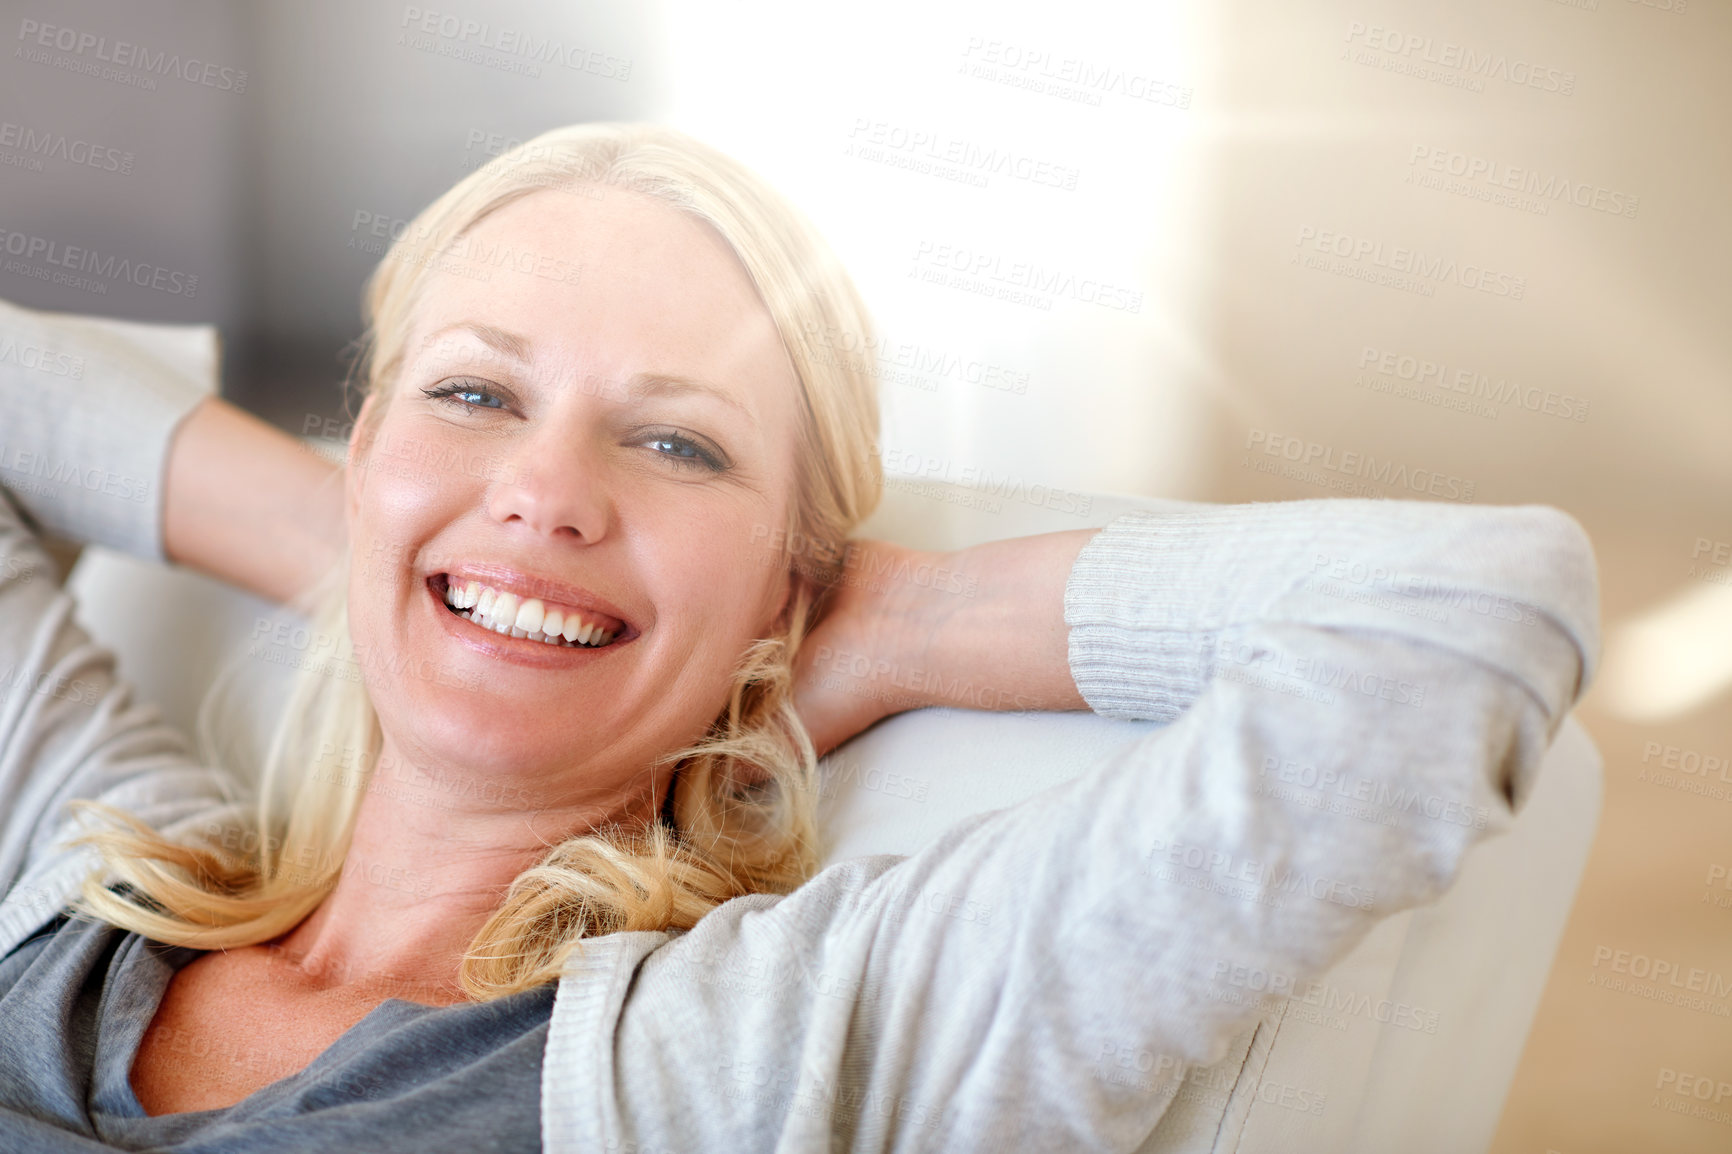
{"x":1213,"y":249}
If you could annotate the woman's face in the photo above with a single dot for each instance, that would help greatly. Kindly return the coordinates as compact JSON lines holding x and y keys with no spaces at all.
{"x":616,"y":441}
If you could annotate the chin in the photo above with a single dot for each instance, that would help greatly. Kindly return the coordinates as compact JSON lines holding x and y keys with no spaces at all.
{"x":474,"y":734}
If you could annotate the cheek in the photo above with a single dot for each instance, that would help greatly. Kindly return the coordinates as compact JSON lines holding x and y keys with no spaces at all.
{"x":718,"y":622}
{"x":404,"y":495}
{"x":716,"y":591}
{"x":732,"y":570}
{"x":399,"y":506}
{"x":400,"y":490}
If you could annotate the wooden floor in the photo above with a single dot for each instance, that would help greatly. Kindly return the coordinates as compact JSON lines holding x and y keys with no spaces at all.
{"x":1608,"y":1065}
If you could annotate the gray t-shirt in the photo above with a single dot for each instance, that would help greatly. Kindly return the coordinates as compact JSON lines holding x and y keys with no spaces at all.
{"x":76,"y":999}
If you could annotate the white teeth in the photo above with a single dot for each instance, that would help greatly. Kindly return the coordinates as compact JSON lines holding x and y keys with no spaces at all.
{"x":504,"y":612}
{"x":529,"y":615}
{"x":508,"y":614}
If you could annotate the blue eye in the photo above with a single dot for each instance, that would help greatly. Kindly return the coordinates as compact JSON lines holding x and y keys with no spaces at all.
{"x":683,"y":452}
{"x":455,"y":390}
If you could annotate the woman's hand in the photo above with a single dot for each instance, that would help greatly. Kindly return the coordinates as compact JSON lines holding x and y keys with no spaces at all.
{"x":979,"y":628}
{"x":866,"y":620}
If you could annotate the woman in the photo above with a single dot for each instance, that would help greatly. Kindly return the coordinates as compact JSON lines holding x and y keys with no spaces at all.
{"x":597,"y":675}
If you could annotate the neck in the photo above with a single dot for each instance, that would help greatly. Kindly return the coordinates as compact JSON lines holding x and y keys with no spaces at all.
{"x":430,"y":861}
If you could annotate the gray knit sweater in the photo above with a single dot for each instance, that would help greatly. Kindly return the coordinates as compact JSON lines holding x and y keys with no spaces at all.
{"x":1039,"y":978}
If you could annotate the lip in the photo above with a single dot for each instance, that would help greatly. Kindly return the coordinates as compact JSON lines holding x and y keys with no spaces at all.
{"x":515,"y":650}
{"x":527,"y":585}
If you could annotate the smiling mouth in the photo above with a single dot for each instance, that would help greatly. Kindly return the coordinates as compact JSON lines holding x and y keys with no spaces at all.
{"x":530,"y":619}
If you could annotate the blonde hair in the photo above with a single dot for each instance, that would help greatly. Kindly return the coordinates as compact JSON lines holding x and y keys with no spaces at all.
{"x":740,"y":812}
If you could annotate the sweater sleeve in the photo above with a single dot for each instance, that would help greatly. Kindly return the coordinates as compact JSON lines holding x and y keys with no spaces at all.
{"x":88,"y":409}
{"x":90,"y":406}
{"x":1041,"y":976}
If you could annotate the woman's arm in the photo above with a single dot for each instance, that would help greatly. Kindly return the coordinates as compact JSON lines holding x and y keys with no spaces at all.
{"x":1043,"y":975}
{"x":248,"y":504}
{"x":110,"y":432}
{"x":87,"y":411}
{"x":979,"y":628}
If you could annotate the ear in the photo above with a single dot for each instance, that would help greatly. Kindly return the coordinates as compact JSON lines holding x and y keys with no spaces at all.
{"x":355,"y":475}
{"x":784,"y":605}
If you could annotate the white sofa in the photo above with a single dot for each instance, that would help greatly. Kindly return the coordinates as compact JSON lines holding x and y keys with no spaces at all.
{"x":1458,"y":982}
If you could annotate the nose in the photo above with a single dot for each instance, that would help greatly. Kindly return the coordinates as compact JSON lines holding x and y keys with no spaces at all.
{"x":553,"y":487}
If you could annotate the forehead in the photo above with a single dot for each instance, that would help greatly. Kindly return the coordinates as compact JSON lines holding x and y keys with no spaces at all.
{"x":609,"y":283}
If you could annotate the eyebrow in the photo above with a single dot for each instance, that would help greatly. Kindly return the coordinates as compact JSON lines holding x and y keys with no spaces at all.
{"x":640,"y":386}
{"x":663,"y":385}
{"x":500,"y":341}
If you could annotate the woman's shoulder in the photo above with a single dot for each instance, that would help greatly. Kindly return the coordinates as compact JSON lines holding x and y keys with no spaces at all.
{"x":51,"y":965}
{"x":69,"y":927}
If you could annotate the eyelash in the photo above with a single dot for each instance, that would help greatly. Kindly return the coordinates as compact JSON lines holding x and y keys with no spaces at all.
{"x":454,"y":388}
{"x":704,"y":459}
